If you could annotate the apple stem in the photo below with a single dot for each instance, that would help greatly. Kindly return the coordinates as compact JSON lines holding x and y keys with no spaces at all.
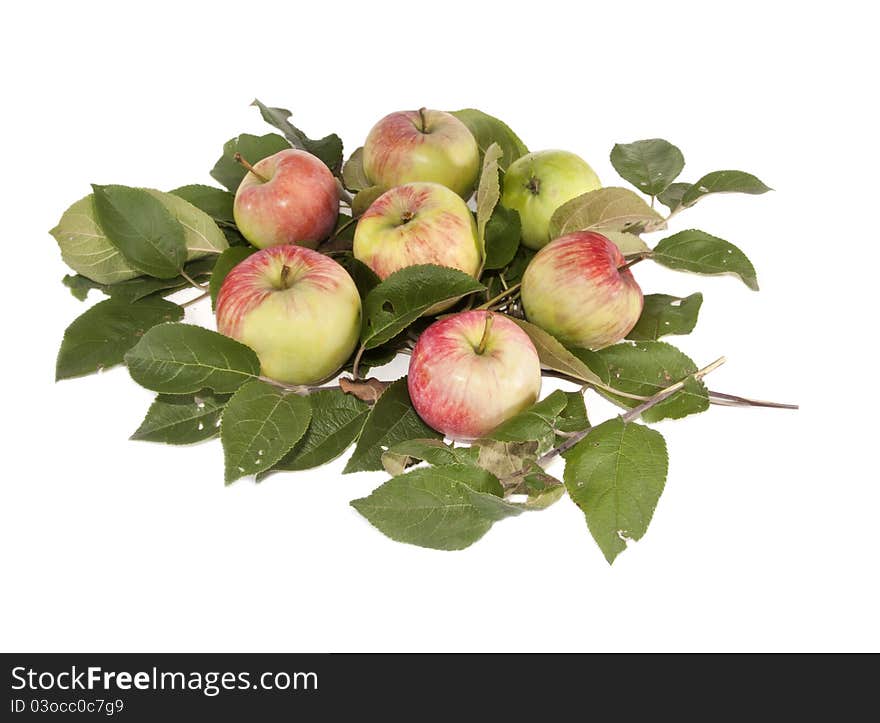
{"x":424,"y":127}
{"x":632,"y":262}
{"x":507,"y":292}
{"x":356,"y":363}
{"x":490,"y":317}
{"x":285,"y":276}
{"x":240,"y":160}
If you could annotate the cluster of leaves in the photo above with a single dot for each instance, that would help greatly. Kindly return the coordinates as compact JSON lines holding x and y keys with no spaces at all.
{"x":139,"y":246}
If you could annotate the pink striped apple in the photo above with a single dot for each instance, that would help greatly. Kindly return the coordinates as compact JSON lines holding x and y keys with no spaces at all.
{"x":288,"y":198}
{"x":418,"y":223}
{"x":472,"y":371}
{"x":297,"y":309}
{"x":422,"y":145}
{"x":575,"y":290}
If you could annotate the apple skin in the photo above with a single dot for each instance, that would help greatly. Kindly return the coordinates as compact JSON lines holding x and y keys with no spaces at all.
{"x":465,"y":394}
{"x":572,"y":289}
{"x":418,"y":223}
{"x":538,"y":183}
{"x":298,"y":204}
{"x":422,"y":145}
{"x":303,"y":323}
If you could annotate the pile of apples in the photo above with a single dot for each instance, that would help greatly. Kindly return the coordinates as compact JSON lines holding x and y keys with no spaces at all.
{"x":300,"y":310}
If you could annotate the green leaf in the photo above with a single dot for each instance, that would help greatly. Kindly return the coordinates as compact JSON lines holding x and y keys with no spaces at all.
{"x":649,"y":165}
{"x":141,"y":287}
{"x":502,"y":237}
{"x":671,"y":197}
{"x":407,"y":294}
{"x":488,"y":130}
{"x":364,"y":199}
{"x":516,"y":268}
{"x":702,"y":253}
{"x":573,"y":417}
{"x":553,"y":355}
{"x":488,"y":193}
{"x":328,"y":148}
{"x":663,"y":315}
{"x":145,"y":232}
{"x":353,"y":175}
{"x":260,"y":425}
{"x":228,"y":260}
{"x":537,"y":423}
{"x":432,"y":451}
{"x":201,"y":233}
{"x":363,"y":276}
{"x":182,"y":418}
{"x":628,"y":243}
{"x":504,"y":459}
{"x":99,"y":337}
{"x":445,"y":508}
{"x":605,"y":209}
{"x":337,"y":419}
{"x":184,"y":359}
{"x":616,"y":475}
{"x":391,"y":420}
{"x":542,"y":490}
{"x":215,"y":202}
{"x":645,"y":368}
{"x":85,"y":247}
{"x":724,"y":182}
{"x":229,"y":172}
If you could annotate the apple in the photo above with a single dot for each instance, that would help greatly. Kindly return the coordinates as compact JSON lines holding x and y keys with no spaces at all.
{"x":472,"y":371}
{"x":297,"y":309}
{"x":422,"y":145}
{"x":537,"y":184}
{"x":574,"y":289}
{"x":287,"y":198}
{"x":418,"y":223}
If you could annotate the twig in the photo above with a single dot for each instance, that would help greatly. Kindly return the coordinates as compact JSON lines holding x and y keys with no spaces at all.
{"x":200,"y":297}
{"x":732,"y":400}
{"x":192,"y":282}
{"x":507,"y":292}
{"x":357,"y":361}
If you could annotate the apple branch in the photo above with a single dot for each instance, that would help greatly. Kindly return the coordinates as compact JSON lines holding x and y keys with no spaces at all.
{"x":241,"y":161}
{"x":507,"y":292}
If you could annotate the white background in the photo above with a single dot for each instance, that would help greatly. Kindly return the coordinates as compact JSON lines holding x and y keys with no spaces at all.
{"x":766,"y":537}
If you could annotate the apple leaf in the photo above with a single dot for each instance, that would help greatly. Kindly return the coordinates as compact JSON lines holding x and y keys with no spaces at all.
{"x":605,"y":209}
{"x":337,"y":420}
{"x":663,"y":315}
{"x":215,"y":202}
{"x":363,"y":276}
{"x":671,"y":197}
{"x":645,"y":368}
{"x":141,"y":287}
{"x":488,"y":130}
{"x":85,"y":247}
{"x":537,"y":423}
{"x":488,"y":192}
{"x":229,"y":172}
{"x":724,"y":182}
{"x":182,"y":418}
{"x":502,"y":237}
{"x":432,"y":451}
{"x":200,"y":232}
{"x":328,"y":148}
{"x":407,"y":294}
{"x":364,"y":198}
{"x":649,"y":165}
{"x":145,"y":232}
{"x":553,"y":355}
{"x":701,"y":253}
{"x":542,"y":490}
{"x":353,"y":175}
{"x":391,"y":420}
{"x":504,"y":459}
{"x":628,"y":243}
{"x":573,"y":417}
{"x":514,"y":271}
{"x":99,"y":337}
{"x":445,"y":508}
{"x":616,"y":475}
{"x":260,"y":425}
{"x":184,"y":359}
{"x":227,"y":261}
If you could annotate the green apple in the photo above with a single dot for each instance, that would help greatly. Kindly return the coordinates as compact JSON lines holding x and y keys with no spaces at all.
{"x":538,"y":183}
{"x":422,"y":145}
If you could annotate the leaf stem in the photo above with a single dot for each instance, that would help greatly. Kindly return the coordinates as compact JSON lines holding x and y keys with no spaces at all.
{"x":200,"y":297}
{"x":732,"y":400}
{"x":192,"y":282}
{"x":356,"y":363}
{"x":507,"y":292}
{"x":632,"y":262}
{"x":241,"y":161}
{"x":344,"y":195}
